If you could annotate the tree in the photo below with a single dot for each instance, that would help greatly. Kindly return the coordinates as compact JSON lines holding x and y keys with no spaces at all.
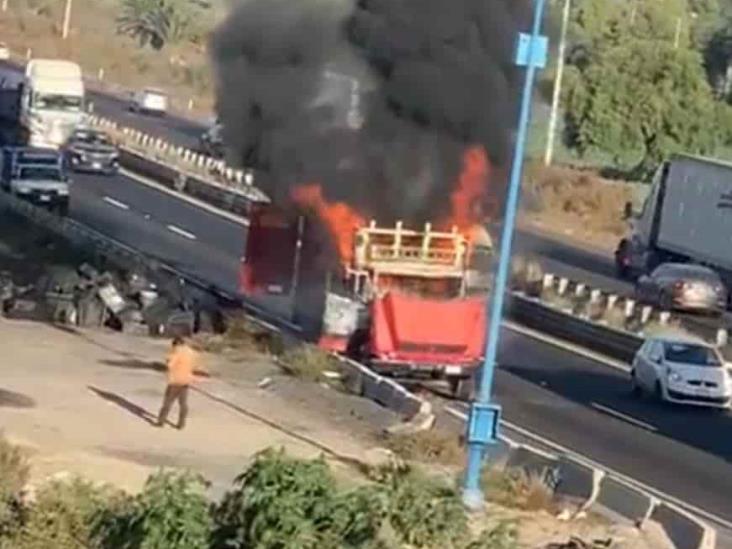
{"x":153,"y":22}
{"x":641,"y":99}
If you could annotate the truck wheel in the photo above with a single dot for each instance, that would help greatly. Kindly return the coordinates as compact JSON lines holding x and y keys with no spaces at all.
{"x":463,"y":388}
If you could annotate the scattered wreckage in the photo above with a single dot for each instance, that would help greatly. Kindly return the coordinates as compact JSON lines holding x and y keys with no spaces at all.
{"x":128,"y":302}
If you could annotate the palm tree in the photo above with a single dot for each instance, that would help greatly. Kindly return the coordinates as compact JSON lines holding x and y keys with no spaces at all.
{"x":152,"y":22}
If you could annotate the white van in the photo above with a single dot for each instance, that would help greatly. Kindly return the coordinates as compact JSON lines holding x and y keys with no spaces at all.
{"x":150,"y":101}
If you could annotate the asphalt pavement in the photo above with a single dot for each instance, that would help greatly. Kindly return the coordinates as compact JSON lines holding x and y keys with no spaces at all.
{"x":577,"y":402}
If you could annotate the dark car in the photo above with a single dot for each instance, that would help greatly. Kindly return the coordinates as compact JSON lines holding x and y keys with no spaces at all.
{"x":682,"y":286}
{"x":92,"y":151}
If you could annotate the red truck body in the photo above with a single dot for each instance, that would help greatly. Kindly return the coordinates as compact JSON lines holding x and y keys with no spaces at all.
{"x":402,"y":306}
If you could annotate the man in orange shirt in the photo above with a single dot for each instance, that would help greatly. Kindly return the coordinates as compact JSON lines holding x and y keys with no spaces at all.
{"x":181,"y":368}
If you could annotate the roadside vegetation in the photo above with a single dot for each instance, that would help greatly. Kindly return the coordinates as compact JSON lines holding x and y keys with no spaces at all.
{"x":277,"y":502}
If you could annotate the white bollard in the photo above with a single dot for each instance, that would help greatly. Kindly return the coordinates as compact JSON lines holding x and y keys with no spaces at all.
{"x":201,"y":161}
{"x":579,"y":290}
{"x":722,"y":337}
{"x":100,"y":75}
{"x":29,"y":54}
{"x":595,"y":296}
{"x":563,"y":283}
{"x":664,"y":318}
{"x":612,"y":299}
{"x":629,"y":308}
{"x":239,"y":177}
{"x":646,"y":314}
{"x":229,"y":174}
{"x":249,"y":178}
{"x":190,"y":104}
{"x":548,"y":281}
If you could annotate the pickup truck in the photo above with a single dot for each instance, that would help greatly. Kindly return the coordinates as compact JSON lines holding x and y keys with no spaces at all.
{"x":36,"y":175}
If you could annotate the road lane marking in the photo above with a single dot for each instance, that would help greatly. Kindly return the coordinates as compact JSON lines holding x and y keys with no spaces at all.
{"x":624,"y":417}
{"x":181,"y":232}
{"x":229,"y":216}
{"x":116,"y":203}
{"x":567,"y":346}
{"x":556,"y":447}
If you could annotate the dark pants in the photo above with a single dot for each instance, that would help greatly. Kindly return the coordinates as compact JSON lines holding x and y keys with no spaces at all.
{"x":173,"y":393}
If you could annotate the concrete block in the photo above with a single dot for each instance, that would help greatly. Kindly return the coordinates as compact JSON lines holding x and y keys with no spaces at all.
{"x":578,"y":481}
{"x":624,"y":500}
{"x":684,"y":530}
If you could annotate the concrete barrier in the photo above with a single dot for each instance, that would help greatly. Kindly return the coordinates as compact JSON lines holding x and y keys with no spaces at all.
{"x":684,"y":530}
{"x":624,"y":500}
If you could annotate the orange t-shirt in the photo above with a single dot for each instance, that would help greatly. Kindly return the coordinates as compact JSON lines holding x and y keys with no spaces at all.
{"x":181,"y":365}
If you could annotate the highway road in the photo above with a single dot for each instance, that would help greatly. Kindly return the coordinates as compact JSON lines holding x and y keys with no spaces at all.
{"x":574,"y":401}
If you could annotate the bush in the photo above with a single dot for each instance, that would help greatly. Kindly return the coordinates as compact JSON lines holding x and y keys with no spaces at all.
{"x":65,"y":515}
{"x":423,"y":510}
{"x":431,"y":446}
{"x":172,"y":512}
{"x":515,"y":488}
{"x":14,"y":471}
{"x":280,"y":502}
{"x":307,"y":362}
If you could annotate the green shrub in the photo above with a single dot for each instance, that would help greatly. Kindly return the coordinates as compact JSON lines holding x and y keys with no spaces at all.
{"x":285,"y":503}
{"x":65,"y":515}
{"x":14,"y":471}
{"x":307,"y":362}
{"x":424,"y":511}
{"x":503,"y":536}
{"x":171,"y":512}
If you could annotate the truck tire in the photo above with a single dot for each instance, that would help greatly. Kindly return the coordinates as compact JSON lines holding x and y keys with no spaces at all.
{"x":462,"y":388}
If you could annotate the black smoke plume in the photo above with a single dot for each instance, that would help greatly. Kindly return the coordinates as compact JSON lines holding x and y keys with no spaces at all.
{"x":434,"y":77}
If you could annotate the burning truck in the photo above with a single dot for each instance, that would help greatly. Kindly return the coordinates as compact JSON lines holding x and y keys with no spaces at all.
{"x":407,"y":302}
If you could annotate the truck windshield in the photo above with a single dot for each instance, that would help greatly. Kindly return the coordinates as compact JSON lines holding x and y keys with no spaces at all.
{"x":40,"y":172}
{"x":58,"y":102}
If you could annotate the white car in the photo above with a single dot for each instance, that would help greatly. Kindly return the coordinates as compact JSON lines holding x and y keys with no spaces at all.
{"x":682,"y":371}
{"x":150,"y":101}
{"x":4,"y":52}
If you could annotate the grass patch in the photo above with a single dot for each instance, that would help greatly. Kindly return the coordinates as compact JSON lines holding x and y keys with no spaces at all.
{"x":433,"y":447}
{"x":242,"y":335}
{"x":519,"y":489}
{"x":307,"y":362}
{"x":14,"y":471}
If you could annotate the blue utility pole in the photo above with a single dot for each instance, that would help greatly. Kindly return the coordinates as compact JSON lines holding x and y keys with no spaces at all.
{"x":482,"y":428}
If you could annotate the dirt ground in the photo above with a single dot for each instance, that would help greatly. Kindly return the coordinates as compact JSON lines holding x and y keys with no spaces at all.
{"x":82,"y":403}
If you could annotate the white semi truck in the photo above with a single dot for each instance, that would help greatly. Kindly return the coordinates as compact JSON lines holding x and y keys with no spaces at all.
{"x":686,"y":217}
{"x":46,"y":105}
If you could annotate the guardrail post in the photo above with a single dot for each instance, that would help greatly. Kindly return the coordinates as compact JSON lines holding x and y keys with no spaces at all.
{"x":722,"y":337}
{"x":629,"y":308}
{"x":664,"y":317}
{"x":563,"y":284}
{"x":595,"y":296}
{"x":579,"y":290}
{"x":249,"y":178}
{"x":646,"y":314}
{"x":612,"y":299}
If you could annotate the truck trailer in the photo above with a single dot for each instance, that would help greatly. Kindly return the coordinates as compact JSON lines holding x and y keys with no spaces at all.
{"x":408,"y":303}
{"x":686,"y":217}
{"x":45,"y":106}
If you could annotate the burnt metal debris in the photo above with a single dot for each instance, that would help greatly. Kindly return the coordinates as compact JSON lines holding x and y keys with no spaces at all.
{"x":130,"y":302}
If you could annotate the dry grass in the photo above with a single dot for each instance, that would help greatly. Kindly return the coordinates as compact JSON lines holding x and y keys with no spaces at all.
{"x":431,"y":447}
{"x":518,"y":489}
{"x":579,"y":199}
{"x":307,"y":362}
{"x":242,"y":335}
{"x":182,"y":69}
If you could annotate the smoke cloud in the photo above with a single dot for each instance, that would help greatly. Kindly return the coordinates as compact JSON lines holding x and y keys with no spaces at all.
{"x":429,"y":78}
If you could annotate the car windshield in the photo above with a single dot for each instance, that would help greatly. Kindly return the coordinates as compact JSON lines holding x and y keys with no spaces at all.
{"x":687,"y":353}
{"x":40,"y":172}
{"x":688,"y":272}
{"x":91,"y":139}
{"x":58,"y":102}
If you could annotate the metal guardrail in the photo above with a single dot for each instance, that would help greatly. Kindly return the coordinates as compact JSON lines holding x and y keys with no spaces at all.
{"x":610,"y":341}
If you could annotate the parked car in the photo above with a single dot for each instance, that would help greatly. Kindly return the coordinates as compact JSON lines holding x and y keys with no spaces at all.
{"x":150,"y":101}
{"x":93,"y":151}
{"x":4,"y":51}
{"x":682,"y":371}
{"x":681,"y":286}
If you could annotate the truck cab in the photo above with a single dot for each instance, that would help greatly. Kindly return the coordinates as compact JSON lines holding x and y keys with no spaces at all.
{"x":52,"y":102}
{"x":35,"y":175}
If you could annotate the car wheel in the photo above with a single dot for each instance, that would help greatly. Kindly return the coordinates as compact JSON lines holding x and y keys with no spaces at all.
{"x":666,"y":302}
{"x":635,"y":389}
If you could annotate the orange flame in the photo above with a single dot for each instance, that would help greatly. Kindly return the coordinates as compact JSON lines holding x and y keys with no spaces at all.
{"x":340,"y":219}
{"x":472,"y":187}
